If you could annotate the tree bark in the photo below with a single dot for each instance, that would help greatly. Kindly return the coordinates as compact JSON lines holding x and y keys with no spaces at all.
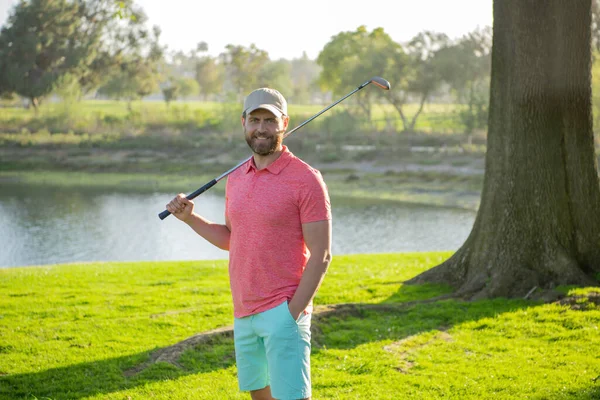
{"x":538,"y":224}
{"x":413,"y":122}
{"x":397,"y":104}
{"x":34,"y":101}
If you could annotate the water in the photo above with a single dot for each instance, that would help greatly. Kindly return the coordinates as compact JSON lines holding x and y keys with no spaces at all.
{"x":48,"y":226}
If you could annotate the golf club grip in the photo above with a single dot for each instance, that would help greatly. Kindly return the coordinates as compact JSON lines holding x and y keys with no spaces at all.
{"x":191,"y":196}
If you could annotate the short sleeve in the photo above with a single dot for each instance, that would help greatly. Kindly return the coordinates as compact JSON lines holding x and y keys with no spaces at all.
{"x":314,"y":199}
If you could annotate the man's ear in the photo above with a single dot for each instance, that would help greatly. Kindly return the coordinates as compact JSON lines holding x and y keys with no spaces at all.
{"x":243,"y":121}
{"x":286,"y":121}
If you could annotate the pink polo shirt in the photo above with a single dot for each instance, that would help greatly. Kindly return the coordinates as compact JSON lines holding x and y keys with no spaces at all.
{"x":266,"y":209}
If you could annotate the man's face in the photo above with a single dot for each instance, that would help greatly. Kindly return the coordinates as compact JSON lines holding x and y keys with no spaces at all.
{"x":264,"y":131}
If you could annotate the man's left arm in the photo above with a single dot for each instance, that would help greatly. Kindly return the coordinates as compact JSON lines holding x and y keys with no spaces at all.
{"x":317,"y":236}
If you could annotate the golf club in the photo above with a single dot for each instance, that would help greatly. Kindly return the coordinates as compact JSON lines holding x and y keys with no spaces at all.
{"x":378,"y":81}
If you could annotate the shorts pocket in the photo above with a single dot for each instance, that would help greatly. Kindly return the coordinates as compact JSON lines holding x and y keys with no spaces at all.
{"x":288,"y":315}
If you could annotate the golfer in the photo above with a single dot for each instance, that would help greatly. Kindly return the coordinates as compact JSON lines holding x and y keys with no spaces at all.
{"x":278,"y":233}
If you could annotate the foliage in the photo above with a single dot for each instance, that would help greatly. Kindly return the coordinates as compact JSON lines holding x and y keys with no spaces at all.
{"x":36,"y":47}
{"x":351,"y":58}
{"x":341,"y":122}
{"x":45,"y":40}
{"x":276,"y":75}
{"x":170,"y":93}
{"x":595,"y":25}
{"x":243,"y":66}
{"x":187,"y":87}
{"x":113,"y":36}
{"x":176,"y":88}
{"x":304,"y":73}
{"x":413,"y":69}
{"x":465,"y":66}
{"x":138,"y":72}
{"x":426,"y":76}
{"x":209,"y":73}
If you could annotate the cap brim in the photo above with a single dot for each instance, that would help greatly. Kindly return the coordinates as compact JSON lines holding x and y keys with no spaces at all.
{"x":267,"y":107}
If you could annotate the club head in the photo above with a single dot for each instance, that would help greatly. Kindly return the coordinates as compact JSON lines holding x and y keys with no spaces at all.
{"x":382,"y":83}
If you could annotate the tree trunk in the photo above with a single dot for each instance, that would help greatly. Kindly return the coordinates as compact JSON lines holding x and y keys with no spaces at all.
{"x":538,"y":224}
{"x":35,"y":103}
{"x":397,"y":104}
{"x":413,"y":122}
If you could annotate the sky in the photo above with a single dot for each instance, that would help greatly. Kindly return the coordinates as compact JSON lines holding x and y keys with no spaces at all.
{"x":286,"y":29}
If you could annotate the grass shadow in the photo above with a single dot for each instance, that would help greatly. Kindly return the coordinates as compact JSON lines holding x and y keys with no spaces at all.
{"x":398,"y":317}
{"x":205,"y":353}
{"x":589,"y":393}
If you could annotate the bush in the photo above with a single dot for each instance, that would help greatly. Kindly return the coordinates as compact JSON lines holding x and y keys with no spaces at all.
{"x":340,"y":121}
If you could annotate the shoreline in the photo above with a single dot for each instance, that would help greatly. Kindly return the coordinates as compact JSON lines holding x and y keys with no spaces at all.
{"x":437,"y":179}
{"x":368,"y":187}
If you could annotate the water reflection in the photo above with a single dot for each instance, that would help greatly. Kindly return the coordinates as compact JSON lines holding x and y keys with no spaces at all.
{"x":58,"y":226}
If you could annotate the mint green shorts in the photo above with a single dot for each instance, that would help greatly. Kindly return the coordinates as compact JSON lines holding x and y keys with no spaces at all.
{"x":273,"y":349}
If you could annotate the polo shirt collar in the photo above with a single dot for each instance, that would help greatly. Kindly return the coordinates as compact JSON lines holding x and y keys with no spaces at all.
{"x":276,"y":166}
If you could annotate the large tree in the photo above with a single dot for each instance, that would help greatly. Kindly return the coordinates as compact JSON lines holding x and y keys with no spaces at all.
{"x":39,"y":45}
{"x":350,"y":58}
{"x":45,"y":42}
{"x":538,"y":224}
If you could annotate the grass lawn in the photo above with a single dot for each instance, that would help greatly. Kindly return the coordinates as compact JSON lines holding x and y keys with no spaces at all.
{"x":114,"y":107}
{"x":106,"y":116}
{"x":90,"y":331}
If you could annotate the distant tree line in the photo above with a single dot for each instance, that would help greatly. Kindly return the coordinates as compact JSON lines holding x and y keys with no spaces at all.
{"x":105,"y":48}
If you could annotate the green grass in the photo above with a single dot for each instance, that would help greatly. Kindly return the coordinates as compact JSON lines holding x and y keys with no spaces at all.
{"x":119,"y":108}
{"x":77,"y":331}
{"x":113,"y":118}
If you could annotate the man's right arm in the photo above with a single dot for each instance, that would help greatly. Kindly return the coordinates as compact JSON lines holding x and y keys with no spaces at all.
{"x":217,"y":234}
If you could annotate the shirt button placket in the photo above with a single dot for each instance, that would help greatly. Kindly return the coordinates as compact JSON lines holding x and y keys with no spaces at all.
{"x":252,"y":184}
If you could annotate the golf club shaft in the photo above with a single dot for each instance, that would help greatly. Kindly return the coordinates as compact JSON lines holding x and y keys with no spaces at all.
{"x":325,"y":109}
{"x":380,"y":82}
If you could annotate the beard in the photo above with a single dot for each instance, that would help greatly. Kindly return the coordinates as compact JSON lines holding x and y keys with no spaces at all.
{"x":263,"y":147}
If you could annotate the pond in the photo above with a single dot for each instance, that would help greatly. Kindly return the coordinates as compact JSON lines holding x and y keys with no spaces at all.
{"x":48,"y":226}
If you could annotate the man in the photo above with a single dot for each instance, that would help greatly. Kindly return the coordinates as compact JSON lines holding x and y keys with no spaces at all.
{"x":278,"y":233}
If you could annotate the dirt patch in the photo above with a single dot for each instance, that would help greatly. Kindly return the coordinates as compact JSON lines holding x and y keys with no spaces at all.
{"x":404,"y":351}
{"x":583,"y":302}
{"x":171,"y":354}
